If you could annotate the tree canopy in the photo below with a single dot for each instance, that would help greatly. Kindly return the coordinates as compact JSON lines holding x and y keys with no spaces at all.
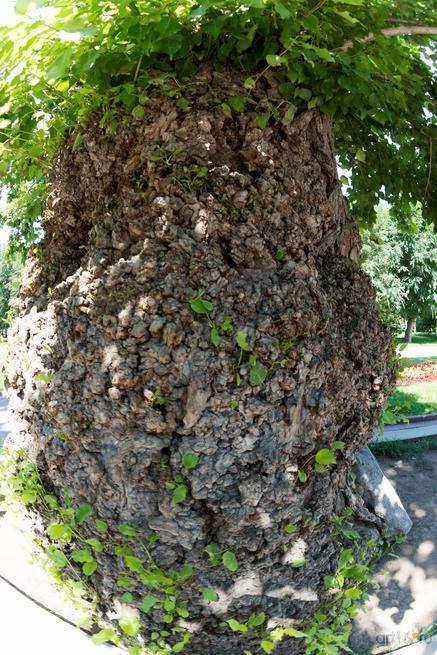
{"x":403,"y":268}
{"x":365,"y":62}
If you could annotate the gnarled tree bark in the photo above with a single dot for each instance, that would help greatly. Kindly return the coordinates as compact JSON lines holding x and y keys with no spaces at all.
{"x":134,"y":226}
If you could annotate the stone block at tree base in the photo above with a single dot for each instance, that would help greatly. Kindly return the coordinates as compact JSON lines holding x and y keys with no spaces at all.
{"x":381,"y":495}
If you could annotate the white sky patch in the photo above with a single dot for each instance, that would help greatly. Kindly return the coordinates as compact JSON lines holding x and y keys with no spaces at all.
{"x":7,"y":13}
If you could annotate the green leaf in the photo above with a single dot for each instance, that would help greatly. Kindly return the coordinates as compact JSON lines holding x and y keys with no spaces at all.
{"x":298,"y":563}
{"x":209,"y":594}
{"x":57,"y":557}
{"x":230,"y":561}
{"x":82,"y":555}
{"x":236,"y":626}
{"x":241,"y":339}
{"x":353,"y":593}
{"x":185,"y":572}
{"x":256,"y":619}
{"x":263,"y":119}
{"x":190,"y":461}
{"x":213,"y":553}
{"x":179,"y":494}
{"x":292,"y":632}
{"x":291,"y":111}
{"x":226,"y":325}
{"x":148,"y":602}
{"x":127,"y":597}
{"x":346,"y":15}
{"x":338,"y":445}
{"x":134,"y":564}
{"x":60,"y":64}
{"x":169,"y":605}
{"x":96,"y":544}
{"x":280,"y":255}
{"x":138,"y":111}
{"x":43,"y":376}
{"x":276,"y":60}
{"x":215,"y":337}
{"x":302,"y":476}
{"x":24,"y":6}
{"x":304,"y":93}
{"x":238,"y":103}
{"x":325,"y":457}
{"x":323,"y":53}
{"x":360,"y":155}
{"x":89,"y":567}
{"x":282,"y":10}
{"x":267,"y":646}
{"x":127,"y":530}
{"x":56,"y":530}
{"x":345,"y":557}
{"x":130,"y":625}
{"x":83,"y":512}
{"x":249,"y":82}
{"x":105,"y":635}
{"x":290,"y":528}
{"x":124,"y":581}
{"x":257,"y":374}
{"x":101,"y":526}
{"x":200,"y":306}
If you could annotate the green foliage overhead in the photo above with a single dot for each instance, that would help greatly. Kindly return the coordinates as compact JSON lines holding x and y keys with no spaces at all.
{"x":64,"y":61}
{"x":403,"y":267}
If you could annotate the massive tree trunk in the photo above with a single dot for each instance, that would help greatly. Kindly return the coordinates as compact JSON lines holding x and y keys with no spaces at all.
{"x":410,"y":329}
{"x":136,"y":223}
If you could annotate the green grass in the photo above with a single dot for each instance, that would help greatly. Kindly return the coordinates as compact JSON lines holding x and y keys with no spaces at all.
{"x":424,"y":337}
{"x":414,"y":399}
{"x":404,"y":448}
{"x":408,"y":361}
{"x":420,"y":337}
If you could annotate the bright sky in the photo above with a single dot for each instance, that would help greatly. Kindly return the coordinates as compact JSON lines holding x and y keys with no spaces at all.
{"x":7,"y":15}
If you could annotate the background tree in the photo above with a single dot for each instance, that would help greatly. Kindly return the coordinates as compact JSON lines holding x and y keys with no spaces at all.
{"x":10,"y":273}
{"x":403,"y":268}
{"x":204,"y":356}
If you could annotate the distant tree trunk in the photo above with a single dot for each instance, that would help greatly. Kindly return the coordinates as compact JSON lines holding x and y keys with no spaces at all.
{"x":137,"y":222}
{"x":410,"y":329}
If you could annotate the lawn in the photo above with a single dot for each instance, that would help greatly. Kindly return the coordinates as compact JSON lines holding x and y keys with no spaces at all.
{"x":420,"y":398}
{"x":414,"y":399}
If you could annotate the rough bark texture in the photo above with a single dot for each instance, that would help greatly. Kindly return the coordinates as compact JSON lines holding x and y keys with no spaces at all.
{"x":103,"y":310}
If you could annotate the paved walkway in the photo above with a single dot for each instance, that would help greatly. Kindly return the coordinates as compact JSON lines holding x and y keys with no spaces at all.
{"x":28,"y":629}
{"x":420,"y":350}
{"x":30,"y":605}
{"x":406,"y":603}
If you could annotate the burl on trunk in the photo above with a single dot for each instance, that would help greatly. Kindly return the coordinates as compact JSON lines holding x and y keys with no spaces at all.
{"x":138,"y":222}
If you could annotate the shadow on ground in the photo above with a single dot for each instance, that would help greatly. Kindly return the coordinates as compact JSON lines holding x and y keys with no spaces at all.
{"x":406,"y":603}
